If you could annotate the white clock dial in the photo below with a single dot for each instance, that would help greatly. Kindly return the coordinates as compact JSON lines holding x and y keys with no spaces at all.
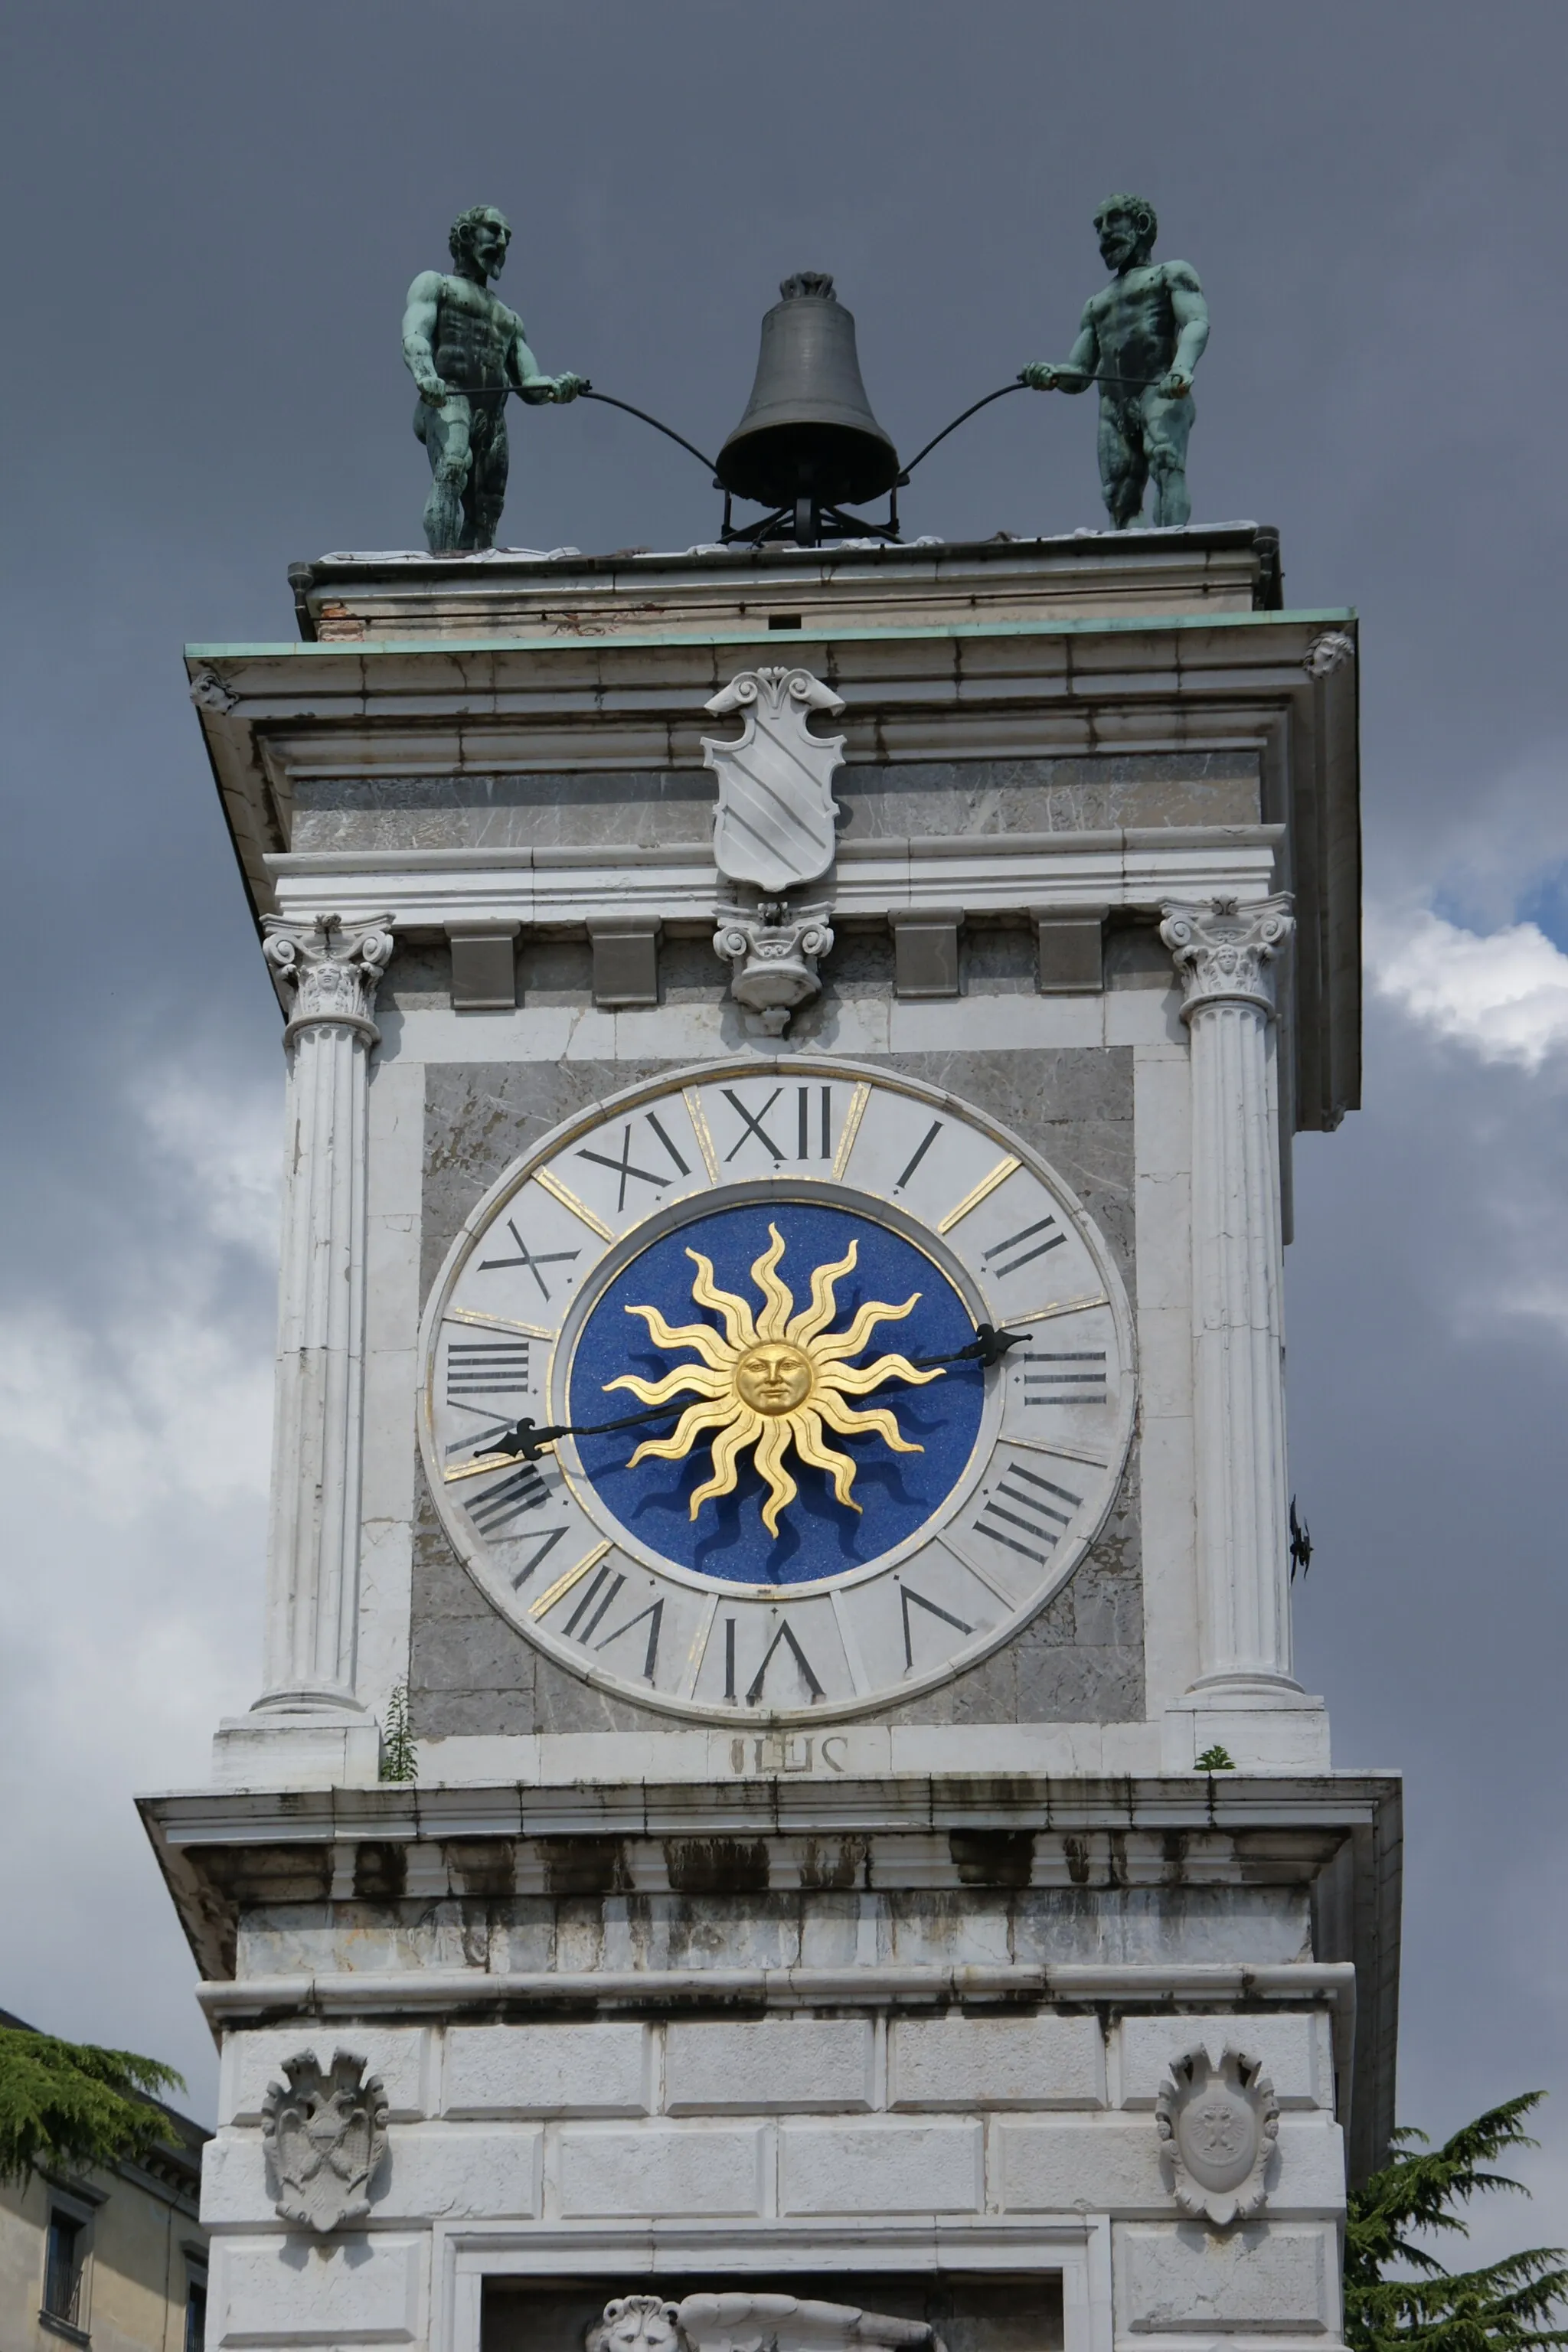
{"x":790,"y":1486}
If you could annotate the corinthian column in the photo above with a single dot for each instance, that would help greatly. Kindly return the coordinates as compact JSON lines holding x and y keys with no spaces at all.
{"x":1222,"y":954}
{"x":330,"y":972}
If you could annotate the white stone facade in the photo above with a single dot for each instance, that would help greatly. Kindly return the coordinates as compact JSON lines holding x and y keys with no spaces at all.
{"x":713,"y":1999}
{"x":791,"y":2137}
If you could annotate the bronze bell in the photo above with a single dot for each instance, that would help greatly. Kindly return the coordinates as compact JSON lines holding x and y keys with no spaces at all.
{"x":808,"y":440}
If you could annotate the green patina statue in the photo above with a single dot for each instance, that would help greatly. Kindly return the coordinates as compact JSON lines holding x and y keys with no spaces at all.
{"x":1140,"y":339}
{"x":466,"y":351}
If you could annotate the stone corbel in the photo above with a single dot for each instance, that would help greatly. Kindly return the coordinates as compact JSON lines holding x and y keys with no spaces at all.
{"x":484,"y":966}
{"x":625,"y":961}
{"x":925,"y":951}
{"x":772,"y":950}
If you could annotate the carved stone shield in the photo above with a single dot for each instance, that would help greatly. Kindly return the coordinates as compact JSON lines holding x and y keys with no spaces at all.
{"x":325,"y":2137}
{"x":776,"y":811}
{"x":1217,"y":2125}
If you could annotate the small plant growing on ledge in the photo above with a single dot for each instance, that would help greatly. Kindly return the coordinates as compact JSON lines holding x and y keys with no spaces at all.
{"x":1213,"y":1759}
{"x":399,"y":1755}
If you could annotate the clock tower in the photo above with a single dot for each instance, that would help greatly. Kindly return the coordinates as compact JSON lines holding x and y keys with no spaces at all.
{"x":793,"y":1058}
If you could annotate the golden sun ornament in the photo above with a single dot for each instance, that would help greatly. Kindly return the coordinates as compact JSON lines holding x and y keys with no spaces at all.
{"x":773,"y":1381}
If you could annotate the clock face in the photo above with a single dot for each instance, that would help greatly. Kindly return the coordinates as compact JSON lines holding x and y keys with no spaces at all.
{"x":786,"y":1492}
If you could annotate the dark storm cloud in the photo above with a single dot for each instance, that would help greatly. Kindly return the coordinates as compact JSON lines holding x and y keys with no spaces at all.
{"x":213,"y":213}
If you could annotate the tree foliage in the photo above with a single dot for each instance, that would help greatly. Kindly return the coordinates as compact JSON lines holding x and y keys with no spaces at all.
{"x":1426,"y":2307}
{"x":71,"y":2103}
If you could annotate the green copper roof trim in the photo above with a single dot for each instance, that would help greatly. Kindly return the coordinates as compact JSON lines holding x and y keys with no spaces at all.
{"x":1152,"y":624}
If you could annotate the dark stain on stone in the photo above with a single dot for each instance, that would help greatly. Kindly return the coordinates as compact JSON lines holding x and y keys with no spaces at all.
{"x":835,"y":1861}
{"x":271,"y":1874}
{"x":381,"y":1871}
{"x":717,"y":1866}
{"x":1076,"y":1849}
{"x":993,"y":1857}
{"x":483,"y":1869}
{"x":584,"y":1865}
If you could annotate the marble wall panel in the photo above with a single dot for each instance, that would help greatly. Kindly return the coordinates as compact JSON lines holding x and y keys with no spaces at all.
{"x":654,"y":808}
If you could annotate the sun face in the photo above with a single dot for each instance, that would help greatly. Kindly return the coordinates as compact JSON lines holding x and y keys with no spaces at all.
{"x":773,"y":1381}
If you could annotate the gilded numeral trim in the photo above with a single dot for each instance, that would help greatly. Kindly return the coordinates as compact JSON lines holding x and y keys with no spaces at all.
{"x":563,"y":1584}
{"x":982,"y":1192}
{"x":568,"y":1199}
{"x":699,"y":1118}
{"x":1060,"y":1306}
{"x":852,"y":1117}
{"x":497,"y":1322}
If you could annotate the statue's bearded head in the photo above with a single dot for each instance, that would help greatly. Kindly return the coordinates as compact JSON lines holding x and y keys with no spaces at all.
{"x":479,"y":238}
{"x":1127,"y":227}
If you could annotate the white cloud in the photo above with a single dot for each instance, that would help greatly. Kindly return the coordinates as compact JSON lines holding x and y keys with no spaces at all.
{"x":134,"y":1441}
{"x":1502,"y":993}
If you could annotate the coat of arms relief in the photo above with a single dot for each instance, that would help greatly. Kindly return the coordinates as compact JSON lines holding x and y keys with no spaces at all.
{"x":774,"y":834}
{"x":324,"y":2134}
{"x":1218,"y":2127}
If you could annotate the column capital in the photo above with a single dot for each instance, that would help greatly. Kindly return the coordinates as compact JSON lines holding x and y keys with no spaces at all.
{"x":1223,"y":951}
{"x":329,"y":968}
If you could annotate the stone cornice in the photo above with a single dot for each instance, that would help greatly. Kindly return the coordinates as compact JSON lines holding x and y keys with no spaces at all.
{"x":426,"y":889}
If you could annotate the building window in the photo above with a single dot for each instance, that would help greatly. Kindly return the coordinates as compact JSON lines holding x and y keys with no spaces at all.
{"x":63,"y":2267}
{"x":196,"y":2316}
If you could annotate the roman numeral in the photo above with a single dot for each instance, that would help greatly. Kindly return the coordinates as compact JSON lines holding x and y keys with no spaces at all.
{"x":808,"y":1675}
{"x":813,"y":1124}
{"x":906,"y":1594}
{"x":1015,"y":1240}
{"x":486,"y":1368}
{"x":1031,"y":1506}
{"x":522,"y":1490}
{"x":626,"y":1166}
{"x":541,"y":1550}
{"x":924,"y":1145}
{"x":653,"y":1616}
{"x":803,"y":1123}
{"x":658,"y":1127}
{"x":753,"y":1125}
{"x":1062,"y":1385}
{"x":593,"y":1606}
{"x":526,"y":1258}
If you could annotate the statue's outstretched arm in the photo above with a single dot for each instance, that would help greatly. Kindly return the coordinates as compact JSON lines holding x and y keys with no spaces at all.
{"x":1080,"y":368}
{"x":534,"y":385}
{"x":1190,"y":314}
{"x":419,"y":317}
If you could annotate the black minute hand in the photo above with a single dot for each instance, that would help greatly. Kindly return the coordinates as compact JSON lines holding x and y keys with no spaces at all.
{"x":525,"y":1442}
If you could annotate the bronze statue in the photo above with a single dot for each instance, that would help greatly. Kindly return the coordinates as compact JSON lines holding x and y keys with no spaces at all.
{"x":1140,"y":340}
{"x":466,"y":351}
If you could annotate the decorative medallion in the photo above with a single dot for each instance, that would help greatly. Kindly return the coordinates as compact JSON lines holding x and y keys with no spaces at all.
{"x":325,"y":2137}
{"x":1217,"y":2128}
{"x":666,"y":1428}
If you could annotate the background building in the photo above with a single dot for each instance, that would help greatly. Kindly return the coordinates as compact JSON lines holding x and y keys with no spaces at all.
{"x":112,"y":2257}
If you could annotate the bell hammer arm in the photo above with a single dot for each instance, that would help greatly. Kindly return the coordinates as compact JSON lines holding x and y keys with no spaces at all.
{"x":1080,"y":368}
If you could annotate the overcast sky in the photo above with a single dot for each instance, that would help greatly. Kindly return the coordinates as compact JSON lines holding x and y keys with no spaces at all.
{"x":213,"y":211}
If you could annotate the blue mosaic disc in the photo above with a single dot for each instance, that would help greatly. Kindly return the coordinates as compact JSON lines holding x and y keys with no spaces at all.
{"x":818,"y":1536}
